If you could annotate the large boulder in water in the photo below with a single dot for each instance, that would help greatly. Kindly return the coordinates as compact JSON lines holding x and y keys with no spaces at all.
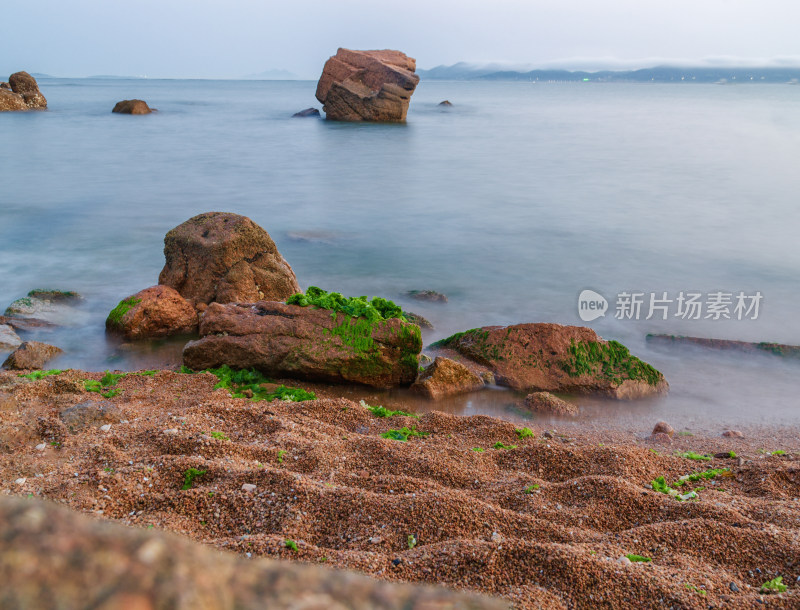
{"x":25,"y":85}
{"x":225,"y":258}
{"x":158,"y":311}
{"x":132,"y":107}
{"x":367,"y":85}
{"x":283,"y":340}
{"x":556,"y":358}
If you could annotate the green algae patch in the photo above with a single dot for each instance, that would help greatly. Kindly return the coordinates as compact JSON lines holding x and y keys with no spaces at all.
{"x":611,"y":361}
{"x":248,"y":383}
{"x":37,"y":375}
{"x":47,"y":294}
{"x":114,"y":319}
{"x":374,"y":310}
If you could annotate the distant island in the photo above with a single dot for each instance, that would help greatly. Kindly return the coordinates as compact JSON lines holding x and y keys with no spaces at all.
{"x":659,"y":74}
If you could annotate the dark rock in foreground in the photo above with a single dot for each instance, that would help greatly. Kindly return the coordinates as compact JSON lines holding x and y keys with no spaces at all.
{"x":54,"y":558}
{"x":308,"y":112}
{"x":778,"y":349}
{"x":305,"y":342}
{"x":555,"y":358}
{"x":367,"y":86}
{"x":132,"y":107}
{"x":158,"y":311}
{"x":31,"y":355}
{"x":446,"y":377}
{"x":225,"y":258}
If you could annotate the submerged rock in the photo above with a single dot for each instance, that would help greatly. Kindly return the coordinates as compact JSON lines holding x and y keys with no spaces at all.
{"x":305,"y":342}
{"x":46,"y":306}
{"x":158,"y":311}
{"x":446,"y":103}
{"x":225,"y":258}
{"x":308,"y":112}
{"x":132,"y":107}
{"x":417,"y":319}
{"x":367,"y":85}
{"x":777,"y":349}
{"x":556,"y":358}
{"x":31,"y":355}
{"x":427,"y":295}
{"x":446,"y":377}
{"x":547,"y":403}
{"x":9,"y":340}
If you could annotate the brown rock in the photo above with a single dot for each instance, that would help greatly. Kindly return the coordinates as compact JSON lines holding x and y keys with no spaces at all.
{"x":5,"y":85}
{"x":545,"y":402}
{"x":225,"y":258}
{"x":307,"y":343}
{"x":132,"y":107}
{"x":427,"y":295}
{"x":367,"y":85}
{"x":31,"y":355}
{"x":732,"y":434}
{"x":10,"y":101}
{"x":446,"y":377}
{"x":446,"y":103}
{"x":158,"y":311}
{"x":25,"y":85}
{"x":660,"y":438}
{"x":555,"y":358}
{"x":663,"y":427}
{"x":55,"y":558}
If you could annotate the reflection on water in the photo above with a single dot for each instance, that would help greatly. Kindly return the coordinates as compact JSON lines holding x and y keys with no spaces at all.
{"x":511,"y":203}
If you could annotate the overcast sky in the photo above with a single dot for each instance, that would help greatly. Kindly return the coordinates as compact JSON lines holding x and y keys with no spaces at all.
{"x":211,"y":38}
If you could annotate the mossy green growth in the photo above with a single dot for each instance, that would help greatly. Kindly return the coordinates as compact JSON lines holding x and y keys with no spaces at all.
{"x":190,"y":475}
{"x":691,"y":455}
{"x":114,"y":319}
{"x":374,"y":310}
{"x":36,"y":375}
{"x":501,"y":445}
{"x":700,"y":476}
{"x":220,"y":436}
{"x":638,"y":558}
{"x":453,"y":338}
{"x":774,"y":586}
{"x":106,"y":386}
{"x":524,"y":433}
{"x":53,"y":295}
{"x":242,"y":382}
{"x":529,"y":489}
{"x":478,"y":449}
{"x":380,"y":411}
{"x":290,"y":544}
{"x":411,"y":540}
{"x":778,"y":452}
{"x":404,"y":433}
{"x":611,"y":361}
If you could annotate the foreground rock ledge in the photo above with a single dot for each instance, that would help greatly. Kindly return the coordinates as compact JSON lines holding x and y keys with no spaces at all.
{"x":225,"y":258}
{"x":367,"y":85}
{"x":55,"y":558}
{"x":306,"y":343}
{"x":556,"y":358}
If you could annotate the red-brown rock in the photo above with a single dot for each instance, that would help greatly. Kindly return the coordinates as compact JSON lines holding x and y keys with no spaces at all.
{"x":225,"y":258}
{"x":158,"y":311}
{"x":732,"y":434}
{"x":367,"y":85}
{"x":446,"y":377}
{"x":10,"y":101}
{"x":31,"y":355}
{"x":132,"y":107}
{"x":25,"y":85}
{"x":555,"y":358}
{"x":283,"y":340}
{"x":548,"y":404}
{"x":663,"y":427}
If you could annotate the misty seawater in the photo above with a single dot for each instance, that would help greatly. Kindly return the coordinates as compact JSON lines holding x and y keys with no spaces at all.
{"x":511,"y":202}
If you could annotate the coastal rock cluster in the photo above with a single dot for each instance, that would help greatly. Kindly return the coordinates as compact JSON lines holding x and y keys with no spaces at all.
{"x":367,"y":86}
{"x":21,"y":92}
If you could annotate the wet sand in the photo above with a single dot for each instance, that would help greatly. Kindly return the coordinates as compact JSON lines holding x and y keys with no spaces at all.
{"x":544,"y":524}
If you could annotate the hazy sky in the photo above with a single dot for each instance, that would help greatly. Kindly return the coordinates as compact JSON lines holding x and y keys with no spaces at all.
{"x":211,"y":38}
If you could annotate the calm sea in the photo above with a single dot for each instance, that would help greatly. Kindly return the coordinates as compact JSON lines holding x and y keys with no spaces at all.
{"x":511,"y":202}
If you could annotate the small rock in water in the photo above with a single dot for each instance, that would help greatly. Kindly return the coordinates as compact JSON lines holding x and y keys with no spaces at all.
{"x":732,"y":434}
{"x":663,"y":427}
{"x":306,"y":113}
{"x":417,"y":319}
{"x":427,"y":295}
{"x":132,"y":107}
{"x":31,"y":355}
{"x":8,"y":338}
{"x":547,"y":403}
{"x":445,"y":103}
{"x":248,"y":487}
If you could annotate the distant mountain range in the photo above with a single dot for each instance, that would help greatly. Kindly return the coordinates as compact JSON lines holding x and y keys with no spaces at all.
{"x":660,"y":74}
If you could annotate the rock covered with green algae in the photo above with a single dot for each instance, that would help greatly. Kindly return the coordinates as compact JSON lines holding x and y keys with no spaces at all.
{"x":307,"y":342}
{"x":556,"y":358}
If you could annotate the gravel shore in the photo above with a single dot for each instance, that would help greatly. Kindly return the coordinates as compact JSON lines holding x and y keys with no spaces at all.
{"x":475,"y":503}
